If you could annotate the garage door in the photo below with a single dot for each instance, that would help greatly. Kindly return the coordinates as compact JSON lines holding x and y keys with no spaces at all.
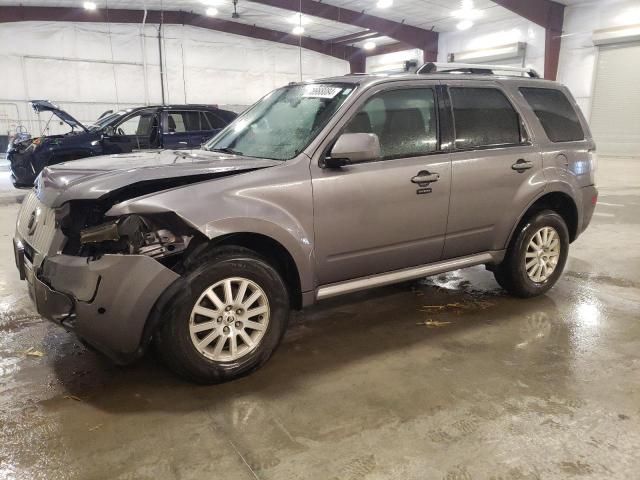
{"x":615,"y":115}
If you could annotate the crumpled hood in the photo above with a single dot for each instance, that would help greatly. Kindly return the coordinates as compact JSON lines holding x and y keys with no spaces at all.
{"x":98,"y":177}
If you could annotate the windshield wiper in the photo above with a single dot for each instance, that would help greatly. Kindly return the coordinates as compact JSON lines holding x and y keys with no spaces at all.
{"x":225,"y":150}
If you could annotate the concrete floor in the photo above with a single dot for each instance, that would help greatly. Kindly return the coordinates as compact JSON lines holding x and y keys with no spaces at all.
{"x":492,"y":388}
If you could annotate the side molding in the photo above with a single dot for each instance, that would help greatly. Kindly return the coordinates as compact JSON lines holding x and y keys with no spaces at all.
{"x":388,"y":278}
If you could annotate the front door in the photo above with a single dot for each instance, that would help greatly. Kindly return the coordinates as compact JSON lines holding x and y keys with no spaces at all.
{"x":389,"y":214}
{"x":138,"y":131}
{"x":496,"y":170}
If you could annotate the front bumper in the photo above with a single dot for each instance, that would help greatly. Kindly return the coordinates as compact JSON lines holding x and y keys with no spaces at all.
{"x":106,"y":302}
{"x":22,"y":170}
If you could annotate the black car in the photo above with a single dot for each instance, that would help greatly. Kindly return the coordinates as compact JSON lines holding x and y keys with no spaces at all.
{"x":161,"y":127}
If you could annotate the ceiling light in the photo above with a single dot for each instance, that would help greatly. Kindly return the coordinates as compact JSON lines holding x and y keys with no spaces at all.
{"x":464,"y":25}
{"x":369,"y":45}
{"x":467,"y":11}
{"x":298,"y":19}
{"x":298,"y":30}
{"x":628,"y":17}
{"x":467,"y":14}
{"x":384,"y":3}
{"x":212,"y":12}
{"x":89,"y":5}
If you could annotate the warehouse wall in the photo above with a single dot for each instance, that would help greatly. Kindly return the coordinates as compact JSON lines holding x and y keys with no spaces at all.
{"x":496,"y":34}
{"x":89,"y":68}
{"x":577,"y":52}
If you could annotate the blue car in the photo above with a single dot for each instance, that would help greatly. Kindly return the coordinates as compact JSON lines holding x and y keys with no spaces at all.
{"x":151,"y":127}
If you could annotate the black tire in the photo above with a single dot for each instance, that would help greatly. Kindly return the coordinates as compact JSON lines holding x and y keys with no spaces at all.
{"x":173,"y":339}
{"x":511,"y":274}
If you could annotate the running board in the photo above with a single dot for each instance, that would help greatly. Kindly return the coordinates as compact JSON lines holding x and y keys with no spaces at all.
{"x":388,"y":278}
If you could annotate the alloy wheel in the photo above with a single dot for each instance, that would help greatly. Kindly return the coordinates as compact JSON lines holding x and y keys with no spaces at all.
{"x":229,"y":319}
{"x":542,"y":255}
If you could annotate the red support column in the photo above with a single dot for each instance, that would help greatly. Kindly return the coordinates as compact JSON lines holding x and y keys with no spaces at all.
{"x":358,"y":64}
{"x":552,"y":42}
{"x":549,"y":15}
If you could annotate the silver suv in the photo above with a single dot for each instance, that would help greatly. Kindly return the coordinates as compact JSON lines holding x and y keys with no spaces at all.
{"x":320,"y":189}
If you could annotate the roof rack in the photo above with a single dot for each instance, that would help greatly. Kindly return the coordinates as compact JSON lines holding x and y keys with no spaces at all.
{"x":437,"y":67}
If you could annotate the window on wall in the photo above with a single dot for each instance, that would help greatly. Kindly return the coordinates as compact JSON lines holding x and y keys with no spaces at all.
{"x":404,"y":121}
{"x":556,"y":114}
{"x":484,"y":117}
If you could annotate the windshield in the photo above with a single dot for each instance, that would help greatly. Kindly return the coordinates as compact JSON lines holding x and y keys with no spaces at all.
{"x":283,"y":123}
{"x":104,"y":121}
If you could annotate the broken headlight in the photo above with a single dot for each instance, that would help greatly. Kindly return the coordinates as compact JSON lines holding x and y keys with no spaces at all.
{"x":133,"y":234}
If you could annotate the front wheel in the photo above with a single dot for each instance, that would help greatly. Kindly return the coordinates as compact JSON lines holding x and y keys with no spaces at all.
{"x":228,"y":321}
{"x":536,"y":257}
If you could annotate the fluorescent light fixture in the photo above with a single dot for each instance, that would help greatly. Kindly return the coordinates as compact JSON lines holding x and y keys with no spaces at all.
{"x":298,"y":19}
{"x":499,"y":52}
{"x":89,"y":5}
{"x":369,"y":45}
{"x":298,"y":30}
{"x":212,"y":11}
{"x":384,"y":3}
{"x":464,"y":25}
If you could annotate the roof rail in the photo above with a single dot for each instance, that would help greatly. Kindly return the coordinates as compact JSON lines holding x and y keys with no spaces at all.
{"x":438,"y":67}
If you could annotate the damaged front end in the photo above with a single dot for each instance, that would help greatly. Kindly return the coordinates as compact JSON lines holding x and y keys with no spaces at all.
{"x":103,"y":274}
{"x":21,"y":155}
{"x":97,"y":276}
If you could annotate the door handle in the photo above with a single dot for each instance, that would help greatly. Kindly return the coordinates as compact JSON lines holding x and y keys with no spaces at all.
{"x":521,"y":165}
{"x":424,"y":177}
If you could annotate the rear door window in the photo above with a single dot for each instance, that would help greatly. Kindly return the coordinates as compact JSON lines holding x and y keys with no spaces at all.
{"x":484,"y":117}
{"x":186,"y":121}
{"x":556,"y":114}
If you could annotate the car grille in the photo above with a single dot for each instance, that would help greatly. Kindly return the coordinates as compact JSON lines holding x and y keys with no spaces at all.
{"x":36,"y":224}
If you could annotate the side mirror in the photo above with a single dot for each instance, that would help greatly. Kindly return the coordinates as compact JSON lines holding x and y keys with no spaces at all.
{"x":353,"y":148}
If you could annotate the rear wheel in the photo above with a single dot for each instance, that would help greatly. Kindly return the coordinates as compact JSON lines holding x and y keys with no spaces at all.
{"x":229,"y":320}
{"x":536,"y":257}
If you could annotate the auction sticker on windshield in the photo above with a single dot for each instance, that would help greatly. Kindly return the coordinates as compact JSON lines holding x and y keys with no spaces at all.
{"x":320,"y":91}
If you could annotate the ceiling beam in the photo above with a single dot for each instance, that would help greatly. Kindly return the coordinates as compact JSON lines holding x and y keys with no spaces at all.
{"x":426,"y":40}
{"x":70,"y":14}
{"x":388,"y":48}
{"x":550,"y":16}
{"x":355,"y":37}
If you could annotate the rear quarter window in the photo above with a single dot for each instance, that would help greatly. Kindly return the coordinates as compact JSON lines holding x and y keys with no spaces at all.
{"x":556,"y":114}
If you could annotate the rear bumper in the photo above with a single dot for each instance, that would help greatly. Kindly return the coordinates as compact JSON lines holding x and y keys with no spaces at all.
{"x":106,"y":302}
{"x":589,"y":200}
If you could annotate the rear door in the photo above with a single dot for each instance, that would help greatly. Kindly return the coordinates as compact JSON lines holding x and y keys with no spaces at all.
{"x":376,"y":217}
{"x":496,"y":170}
{"x":176,"y":125}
